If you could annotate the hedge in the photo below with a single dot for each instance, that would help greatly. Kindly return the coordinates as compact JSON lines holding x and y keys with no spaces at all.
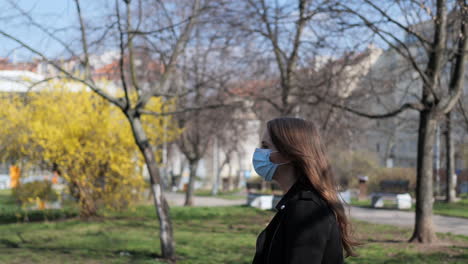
{"x":18,"y":215}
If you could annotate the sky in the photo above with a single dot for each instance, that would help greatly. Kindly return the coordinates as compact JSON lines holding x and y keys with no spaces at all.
{"x":56,"y":14}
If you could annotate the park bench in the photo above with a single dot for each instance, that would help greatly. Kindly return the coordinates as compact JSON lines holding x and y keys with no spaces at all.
{"x":264,"y":198}
{"x":395,"y":191}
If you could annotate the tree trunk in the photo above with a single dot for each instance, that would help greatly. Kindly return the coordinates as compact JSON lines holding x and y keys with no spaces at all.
{"x":437,"y":190}
{"x":450,"y":161}
{"x":193,"y":173}
{"x":237,"y":181}
{"x":216,"y":169}
{"x":181,"y":171}
{"x":218,"y":175}
{"x":87,"y":202}
{"x":424,"y":228}
{"x":217,"y":182}
{"x":229,"y":177}
{"x":240,"y":174}
{"x":162,"y":207}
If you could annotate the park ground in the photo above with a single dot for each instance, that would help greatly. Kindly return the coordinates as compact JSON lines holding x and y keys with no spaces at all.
{"x":456,"y":209}
{"x":221,"y":234}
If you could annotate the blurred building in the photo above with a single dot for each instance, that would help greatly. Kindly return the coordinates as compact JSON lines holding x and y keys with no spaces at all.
{"x":392,"y":81}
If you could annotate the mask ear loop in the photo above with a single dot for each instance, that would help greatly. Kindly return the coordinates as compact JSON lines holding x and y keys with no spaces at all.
{"x":280,"y":163}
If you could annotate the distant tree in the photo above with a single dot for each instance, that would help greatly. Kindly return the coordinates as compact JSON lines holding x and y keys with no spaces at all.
{"x":441,"y":37}
{"x":284,"y":44}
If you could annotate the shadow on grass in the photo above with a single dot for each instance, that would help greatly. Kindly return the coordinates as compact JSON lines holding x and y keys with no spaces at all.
{"x":460,"y":247}
{"x":439,"y":257}
{"x":395,"y":241}
{"x":403,"y":257}
{"x":132,"y":254}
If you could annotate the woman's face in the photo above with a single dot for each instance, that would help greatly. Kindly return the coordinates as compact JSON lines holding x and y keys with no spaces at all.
{"x":266,"y":143}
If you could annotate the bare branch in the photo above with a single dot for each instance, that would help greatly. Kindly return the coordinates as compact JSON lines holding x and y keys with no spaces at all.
{"x":434,"y":64}
{"x":122,"y":55}
{"x":279,"y":53}
{"x":463,"y":112}
{"x":84,"y":42}
{"x":116,"y":101}
{"x":42,"y":28}
{"x":405,"y":28}
{"x":130,"y":51}
{"x":34,"y":84}
{"x":414,"y":106}
{"x":178,"y":48}
{"x":192,"y":109}
{"x":159,"y":30}
{"x":457,"y":79}
{"x":169,"y":18}
{"x":383,"y":35}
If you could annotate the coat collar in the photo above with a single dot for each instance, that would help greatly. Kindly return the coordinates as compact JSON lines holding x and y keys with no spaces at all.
{"x":302,"y":184}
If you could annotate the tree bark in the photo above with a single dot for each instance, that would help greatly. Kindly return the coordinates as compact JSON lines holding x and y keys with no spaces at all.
{"x":450,"y":161}
{"x":218,"y":174}
{"x":162,"y":207}
{"x":229,"y":188}
{"x":193,"y":164}
{"x":424,"y":227}
{"x":217,"y":180}
{"x":216,"y":168}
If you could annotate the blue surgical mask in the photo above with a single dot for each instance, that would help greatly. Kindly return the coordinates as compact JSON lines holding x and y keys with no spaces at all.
{"x":262,"y":164}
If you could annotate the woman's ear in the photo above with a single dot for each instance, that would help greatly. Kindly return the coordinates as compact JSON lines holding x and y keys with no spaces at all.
{"x":277,"y":157}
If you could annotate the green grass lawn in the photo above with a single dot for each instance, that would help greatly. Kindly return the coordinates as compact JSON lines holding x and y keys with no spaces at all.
{"x":363,"y":203}
{"x":457,"y":209}
{"x":203,"y":235}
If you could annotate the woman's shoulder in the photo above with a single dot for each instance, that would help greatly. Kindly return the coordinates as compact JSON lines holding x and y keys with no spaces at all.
{"x":307,"y":198}
{"x":307,"y":204}
{"x":308,"y":215}
{"x":303,"y":199}
{"x":312,"y":197}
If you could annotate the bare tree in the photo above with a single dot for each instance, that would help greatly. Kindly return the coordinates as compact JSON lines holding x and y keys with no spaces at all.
{"x":284,"y":44}
{"x":228,"y":140}
{"x":204,"y":77}
{"x":280,"y":33}
{"x":434,"y":102}
{"x":200,"y":129}
{"x":335,"y":79}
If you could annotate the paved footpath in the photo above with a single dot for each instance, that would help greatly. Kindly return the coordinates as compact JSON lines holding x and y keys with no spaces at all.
{"x":178,"y":199}
{"x":442,"y":224}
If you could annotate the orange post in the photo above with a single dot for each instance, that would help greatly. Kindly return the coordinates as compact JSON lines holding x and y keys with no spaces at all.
{"x":14,"y":176}
{"x":40,"y":204}
{"x":55,"y":177}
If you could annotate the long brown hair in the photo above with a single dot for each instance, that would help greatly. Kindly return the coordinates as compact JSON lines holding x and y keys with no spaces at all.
{"x":299,"y":141}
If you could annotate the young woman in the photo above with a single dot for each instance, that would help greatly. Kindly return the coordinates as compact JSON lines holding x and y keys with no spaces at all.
{"x":310,"y":225}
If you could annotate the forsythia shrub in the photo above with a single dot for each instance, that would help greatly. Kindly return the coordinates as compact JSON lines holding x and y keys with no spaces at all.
{"x":27,"y":192}
{"x":83,"y":136}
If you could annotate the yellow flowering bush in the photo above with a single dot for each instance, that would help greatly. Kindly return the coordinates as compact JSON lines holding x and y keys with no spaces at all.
{"x":86,"y":138}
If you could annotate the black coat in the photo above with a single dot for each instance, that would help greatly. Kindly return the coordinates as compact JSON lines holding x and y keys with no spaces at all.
{"x":304,"y":230}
